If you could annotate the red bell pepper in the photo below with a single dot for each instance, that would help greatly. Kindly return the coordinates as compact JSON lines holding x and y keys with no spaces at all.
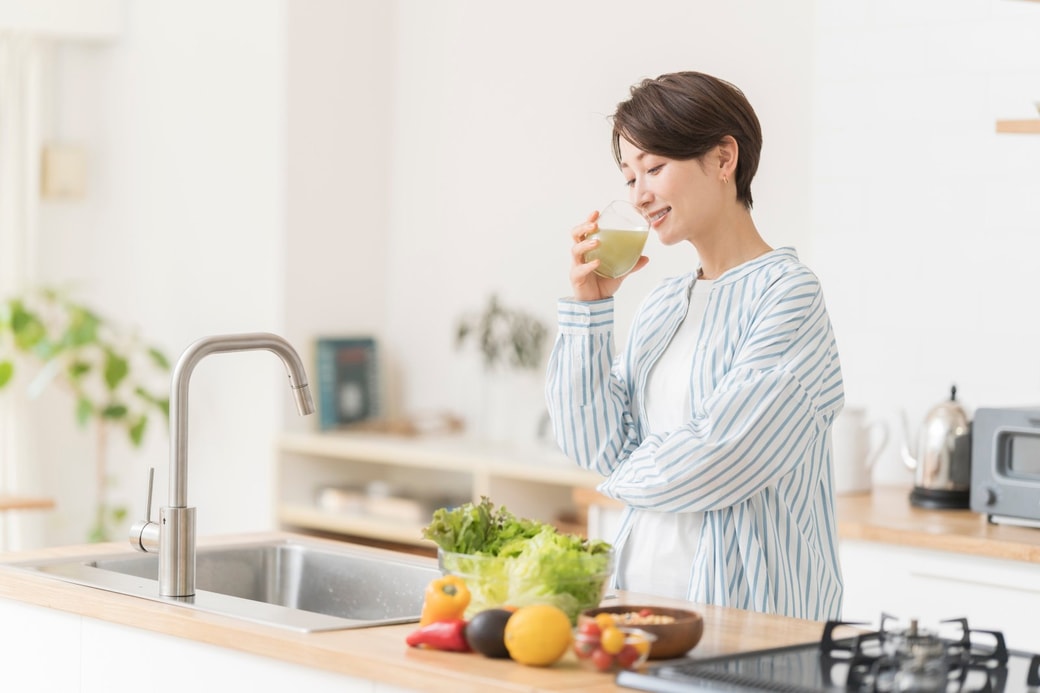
{"x":449,"y":635}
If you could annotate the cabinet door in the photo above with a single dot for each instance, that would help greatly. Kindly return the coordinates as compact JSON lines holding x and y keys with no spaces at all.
{"x":931,"y":585}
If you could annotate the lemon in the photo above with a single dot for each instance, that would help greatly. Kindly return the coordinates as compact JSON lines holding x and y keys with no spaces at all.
{"x":538,"y":635}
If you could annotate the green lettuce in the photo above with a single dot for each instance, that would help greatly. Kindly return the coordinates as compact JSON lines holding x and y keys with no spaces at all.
{"x":507,"y":560}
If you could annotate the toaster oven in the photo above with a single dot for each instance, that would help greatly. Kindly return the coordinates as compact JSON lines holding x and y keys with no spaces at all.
{"x":1005,"y":467}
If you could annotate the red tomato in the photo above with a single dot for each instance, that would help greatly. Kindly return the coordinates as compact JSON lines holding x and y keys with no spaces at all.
{"x":584,"y":648}
{"x":591,"y":629}
{"x":645,"y":612}
{"x":602,"y":660}
{"x":627,"y":656}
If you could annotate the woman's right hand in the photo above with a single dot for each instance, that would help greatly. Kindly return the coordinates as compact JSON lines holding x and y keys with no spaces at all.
{"x":587,"y":285}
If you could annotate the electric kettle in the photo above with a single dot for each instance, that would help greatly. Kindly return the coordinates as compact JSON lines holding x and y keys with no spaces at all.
{"x":942,"y":460}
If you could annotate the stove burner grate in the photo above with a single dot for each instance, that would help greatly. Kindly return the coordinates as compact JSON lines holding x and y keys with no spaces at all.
{"x":910,"y":659}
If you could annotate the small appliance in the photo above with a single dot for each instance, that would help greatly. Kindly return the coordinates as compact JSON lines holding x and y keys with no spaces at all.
{"x":1005,"y":472}
{"x":942,"y":459}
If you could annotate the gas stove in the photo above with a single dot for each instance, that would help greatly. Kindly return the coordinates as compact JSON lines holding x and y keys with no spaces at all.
{"x":894,"y":658}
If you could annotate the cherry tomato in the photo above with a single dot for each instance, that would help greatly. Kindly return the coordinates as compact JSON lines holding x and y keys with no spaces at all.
{"x":645,"y":612}
{"x":584,"y":648}
{"x":628,"y":656}
{"x":612,"y":640}
{"x":602,"y":660}
{"x":590,"y":629}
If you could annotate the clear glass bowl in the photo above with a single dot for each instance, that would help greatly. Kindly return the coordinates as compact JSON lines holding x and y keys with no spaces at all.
{"x":589,"y":649}
{"x":495,"y":581}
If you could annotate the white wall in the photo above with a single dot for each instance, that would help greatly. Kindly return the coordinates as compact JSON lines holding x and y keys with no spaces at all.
{"x":925,"y":220}
{"x":501,"y":145}
{"x":338,"y":130}
{"x":341,"y":167}
{"x":181,"y":234}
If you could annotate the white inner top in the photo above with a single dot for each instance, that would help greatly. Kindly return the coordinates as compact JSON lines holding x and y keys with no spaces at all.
{"x":665,"y":566}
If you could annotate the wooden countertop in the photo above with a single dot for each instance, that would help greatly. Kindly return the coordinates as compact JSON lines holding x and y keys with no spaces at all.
{"x":376,"y":653}
{"x":885,"y":515}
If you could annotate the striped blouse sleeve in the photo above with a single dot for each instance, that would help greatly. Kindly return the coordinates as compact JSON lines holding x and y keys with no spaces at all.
{"x":586,"y":393}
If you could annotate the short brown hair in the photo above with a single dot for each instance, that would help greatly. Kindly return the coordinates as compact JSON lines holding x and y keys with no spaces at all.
{"x":683,"y":115}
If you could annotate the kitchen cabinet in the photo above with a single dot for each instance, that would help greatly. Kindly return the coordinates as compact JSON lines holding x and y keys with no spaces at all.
{"x":937,"y":564}
{"x":909,"y":582}
{"x":96,"y":657}
{"x":93,"y":656}
{"x":384,"y":487}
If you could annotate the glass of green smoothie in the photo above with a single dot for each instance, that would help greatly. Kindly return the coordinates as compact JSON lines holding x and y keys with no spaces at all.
{"x":622,"y":232}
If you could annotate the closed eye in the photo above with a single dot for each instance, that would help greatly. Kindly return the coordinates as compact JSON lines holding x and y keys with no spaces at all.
{"x":655,"y":170}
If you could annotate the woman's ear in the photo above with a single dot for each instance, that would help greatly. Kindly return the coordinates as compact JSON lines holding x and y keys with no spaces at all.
{"x":728,"y":150}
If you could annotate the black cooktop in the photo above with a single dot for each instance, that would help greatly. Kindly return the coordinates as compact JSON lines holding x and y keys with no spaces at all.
{"x":891,"y":659}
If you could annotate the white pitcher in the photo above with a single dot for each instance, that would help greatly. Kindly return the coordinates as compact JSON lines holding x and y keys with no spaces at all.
{"x":858,"y":444}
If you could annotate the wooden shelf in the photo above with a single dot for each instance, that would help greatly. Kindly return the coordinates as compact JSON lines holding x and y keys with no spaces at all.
{"x":1030,"y":126}
{"x":532,"y":480}
{"x":24,"y":503}
{"x":309,"y":517}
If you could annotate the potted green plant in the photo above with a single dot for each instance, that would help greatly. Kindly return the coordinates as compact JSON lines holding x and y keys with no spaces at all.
{"x":507,"y":338}
{"x":511,"y":345}
{"x":108,"y":371}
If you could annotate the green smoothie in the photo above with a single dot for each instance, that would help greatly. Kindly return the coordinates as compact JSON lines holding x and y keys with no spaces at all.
{"x":618,"y":251}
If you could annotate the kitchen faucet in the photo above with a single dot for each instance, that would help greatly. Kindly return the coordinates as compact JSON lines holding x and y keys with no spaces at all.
{"x":174,"y":535}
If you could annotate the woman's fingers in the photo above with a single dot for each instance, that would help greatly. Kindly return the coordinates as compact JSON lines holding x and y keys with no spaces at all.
{"x":582,"y":230}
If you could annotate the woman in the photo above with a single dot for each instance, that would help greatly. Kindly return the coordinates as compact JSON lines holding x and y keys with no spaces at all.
{"x":713,"y":423}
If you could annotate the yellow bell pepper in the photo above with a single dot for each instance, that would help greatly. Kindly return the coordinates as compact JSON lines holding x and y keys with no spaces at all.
{"x":445,"y":598}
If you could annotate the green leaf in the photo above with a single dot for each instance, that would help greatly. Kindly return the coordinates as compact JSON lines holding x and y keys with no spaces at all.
{"x":116,"y":368}
{"x":84,"y":410}
{"x":137,"y":430}
{"x":159,"y":358}
{"x":82,"y":329}
{"x":97,"y":534}
{"x":6,"y":372}
{"x":160,"y":403}
{"x":28,"y":329}
{"x":77,"y":369}
{"x":114,"y":411}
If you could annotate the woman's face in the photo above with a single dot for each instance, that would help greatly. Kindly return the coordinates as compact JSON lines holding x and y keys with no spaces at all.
{"x":682,"y":198}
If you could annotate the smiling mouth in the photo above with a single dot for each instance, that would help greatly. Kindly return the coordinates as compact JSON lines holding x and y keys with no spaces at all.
{"x":656,"y":216}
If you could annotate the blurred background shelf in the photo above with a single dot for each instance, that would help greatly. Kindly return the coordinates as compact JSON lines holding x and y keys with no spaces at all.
{"x":1030,"y":126}
{"x":8,"y":502}
{"x":380,"y":529}
{"x":384,"y":488}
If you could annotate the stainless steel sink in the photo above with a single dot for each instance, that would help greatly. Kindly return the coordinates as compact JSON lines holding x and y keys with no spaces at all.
{"x":291,"y":583}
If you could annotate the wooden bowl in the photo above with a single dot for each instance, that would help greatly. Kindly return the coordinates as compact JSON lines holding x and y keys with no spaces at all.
{"x":674,"y":639}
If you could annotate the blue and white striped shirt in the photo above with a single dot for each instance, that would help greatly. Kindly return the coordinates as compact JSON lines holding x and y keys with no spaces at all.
{"x":755,"y":457}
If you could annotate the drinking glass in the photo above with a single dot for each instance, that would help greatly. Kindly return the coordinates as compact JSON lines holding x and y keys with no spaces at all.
{"x":622,"y":232}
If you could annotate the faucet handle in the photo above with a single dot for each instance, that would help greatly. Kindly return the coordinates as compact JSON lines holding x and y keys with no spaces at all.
{"x":148,"y":502}
{"x":144,"y":534}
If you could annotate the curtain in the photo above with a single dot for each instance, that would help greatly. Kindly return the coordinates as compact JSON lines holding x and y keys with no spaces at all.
{"x":21,"y":68}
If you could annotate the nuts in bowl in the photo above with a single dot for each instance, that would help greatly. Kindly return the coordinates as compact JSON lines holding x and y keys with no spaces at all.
{"x":675,"y":631}
{"x":612,"y":648}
